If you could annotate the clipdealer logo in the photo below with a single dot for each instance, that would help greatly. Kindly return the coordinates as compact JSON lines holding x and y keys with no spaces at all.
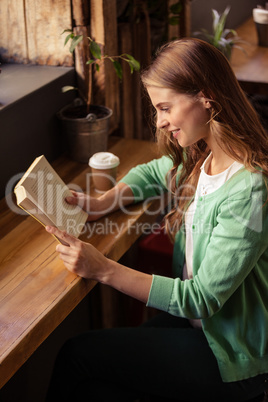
{"x":108,"y":227}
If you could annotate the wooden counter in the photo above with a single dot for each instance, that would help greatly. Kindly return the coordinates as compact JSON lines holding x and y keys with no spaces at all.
{"x":36,"y":291}
{"x":251,"y":65}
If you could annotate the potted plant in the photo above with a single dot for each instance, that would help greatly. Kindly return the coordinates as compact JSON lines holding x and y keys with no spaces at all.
{"x":222,"y":38}
{"x":87,"y":125}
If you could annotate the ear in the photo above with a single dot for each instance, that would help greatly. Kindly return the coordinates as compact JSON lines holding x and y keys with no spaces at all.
{"x":204,"y":100}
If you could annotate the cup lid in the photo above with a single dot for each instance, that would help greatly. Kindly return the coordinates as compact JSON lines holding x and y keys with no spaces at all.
{"x":103,"y":160}
{"x":260,"y":15}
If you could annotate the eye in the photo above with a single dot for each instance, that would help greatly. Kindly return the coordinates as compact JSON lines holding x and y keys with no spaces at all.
{"x":164,"y":109}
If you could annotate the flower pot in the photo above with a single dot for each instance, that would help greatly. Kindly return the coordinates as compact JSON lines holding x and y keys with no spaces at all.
{"x":260,"y":17}
{"x":85,"y":135}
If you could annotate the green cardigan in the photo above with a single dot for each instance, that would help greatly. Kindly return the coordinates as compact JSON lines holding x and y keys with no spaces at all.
{"x":229,"y":288}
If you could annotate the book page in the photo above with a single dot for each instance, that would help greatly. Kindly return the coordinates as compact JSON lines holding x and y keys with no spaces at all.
{"x":49,"y":192}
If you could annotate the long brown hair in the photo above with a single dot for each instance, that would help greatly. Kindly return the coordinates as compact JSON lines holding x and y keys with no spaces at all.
{"x":189,"y":66}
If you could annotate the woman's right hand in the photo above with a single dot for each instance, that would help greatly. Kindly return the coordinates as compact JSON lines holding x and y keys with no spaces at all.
{"x":112,"y":200}
{"x":89,"y":204}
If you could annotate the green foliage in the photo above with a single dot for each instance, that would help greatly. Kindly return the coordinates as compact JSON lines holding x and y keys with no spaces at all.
{"x":67,"y":88}
{"x":96,"y":53}
{"x":222,"y":38}
{"x":94,"y":49}
{"x":175,"y":11}
{"x":118,"y":68}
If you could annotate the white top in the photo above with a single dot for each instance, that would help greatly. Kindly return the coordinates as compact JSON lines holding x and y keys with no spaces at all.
{"x":206,"y":185}
{"x":260,"y":15}
{"x":103,"y":160}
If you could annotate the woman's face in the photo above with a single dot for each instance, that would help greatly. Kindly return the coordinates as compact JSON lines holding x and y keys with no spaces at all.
{"x":185,"y":117}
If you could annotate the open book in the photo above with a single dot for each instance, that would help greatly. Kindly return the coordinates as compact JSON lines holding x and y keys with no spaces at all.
{"x":41,"y":193}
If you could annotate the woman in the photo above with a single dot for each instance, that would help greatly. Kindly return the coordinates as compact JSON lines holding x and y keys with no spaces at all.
{"x":211,"y":342}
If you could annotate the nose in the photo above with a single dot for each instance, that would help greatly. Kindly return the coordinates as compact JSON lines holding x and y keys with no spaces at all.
{"x":161,"y":121}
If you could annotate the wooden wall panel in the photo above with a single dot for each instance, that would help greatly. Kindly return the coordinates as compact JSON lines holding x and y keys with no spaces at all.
{"x":142,"y":52}
{"x":127,"y":87}
{"x":45,"y":21}
{"x":30,"y":31}
{"x":185,"y":26}
{"x":104,"y":31}
{"x":13,"y":45}
{"x":183,"y":29}
{"x":173,"y":30}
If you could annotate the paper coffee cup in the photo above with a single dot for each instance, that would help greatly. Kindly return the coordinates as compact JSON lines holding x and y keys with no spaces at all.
{"x":260,"y":17}
{"x":104,"y":169}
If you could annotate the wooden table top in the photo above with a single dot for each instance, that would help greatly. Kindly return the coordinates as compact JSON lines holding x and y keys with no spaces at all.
{"x":36,"y":291}
{"x":251,"y":65}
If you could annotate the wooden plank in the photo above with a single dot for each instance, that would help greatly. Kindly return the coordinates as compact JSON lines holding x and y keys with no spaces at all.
{"x":13,"y":41}
{"x":128,"y":101}
{"x":183,"y":29}
{"x":36,"y":291}
{"x":45,"y":21}
{"x":173,"y":30}
{"x":26,"y":320}
{"x":104,"y":31}
{"x":111,"y":48}
{"x":81,"y":12}
{"x":142,"y":52}
{"x":28,"y":248}
{"x":83,"y":71}
{"x":185,"y":26}
{"x":97,"y":33}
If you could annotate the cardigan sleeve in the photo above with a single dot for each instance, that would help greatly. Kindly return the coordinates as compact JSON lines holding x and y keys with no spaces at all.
{"x":148,"y":180}
{"x":237,"y":244}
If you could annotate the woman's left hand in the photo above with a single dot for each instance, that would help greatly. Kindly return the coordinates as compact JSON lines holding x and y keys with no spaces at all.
{"x":79,"y":257}
{"x":86,"y":261}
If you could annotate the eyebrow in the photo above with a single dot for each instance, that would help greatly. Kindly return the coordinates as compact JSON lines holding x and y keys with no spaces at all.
{"x":162,"y":104}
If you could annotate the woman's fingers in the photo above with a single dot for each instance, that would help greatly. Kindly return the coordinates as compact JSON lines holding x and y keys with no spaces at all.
{"x":79,"y":257}
{"x":80,"y":199}
{"x":67,"y":238}
{"x":74,"y":199}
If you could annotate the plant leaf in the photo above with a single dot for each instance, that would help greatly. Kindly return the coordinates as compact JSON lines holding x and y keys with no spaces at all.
{"x":75,"y":41}
{"x":176,"y":8}
{"x":128,"y":56}
{"x":222,"y":38}
{"x":221,"y":24}
{"x":132,"y":62}
{"x":226,"y":12}
{"x":240,"y":48}
{"x":67,"y":88}
{"x":90,"y":61}
{"x":95,"y":49}
{"x":97,"y":67}
{"x":66,"y":30}
{"x":205,"y":35}
{"x":175,"y":20}
{"x":134,"y":65}
{"x":216,"y":18}
{"x":118,"y":69}
{"x":70,"y":36}
{"x":227,"y":32}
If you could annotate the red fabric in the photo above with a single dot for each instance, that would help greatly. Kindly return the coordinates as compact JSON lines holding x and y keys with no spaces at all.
{"x":155,"y":254}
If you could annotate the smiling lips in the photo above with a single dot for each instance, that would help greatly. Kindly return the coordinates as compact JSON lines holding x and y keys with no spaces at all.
{"x":175,"y":133}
